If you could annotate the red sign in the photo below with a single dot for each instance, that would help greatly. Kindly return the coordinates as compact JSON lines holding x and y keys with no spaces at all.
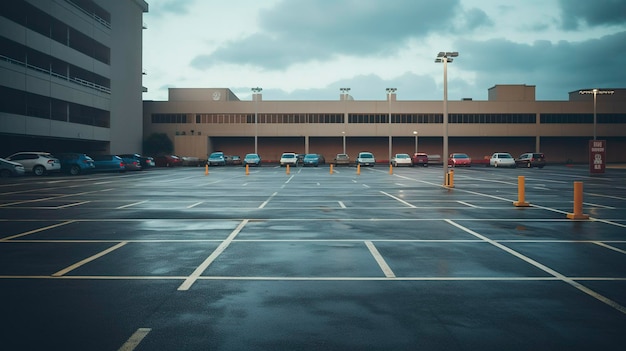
{"x":597,"y":156}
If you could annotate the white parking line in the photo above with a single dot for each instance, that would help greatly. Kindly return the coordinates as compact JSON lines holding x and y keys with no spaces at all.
{"x":544,"y":268}
{"x":598,"y":205}
{"x":341,"y":204}
{"x":268,"y":200}
{"x":380,"y":260}
{"x":133,"y":204}
{"x":194,"y":205}
{"x":468,"y":204}
{"x":398,"y":199}
{"x":201,"y":268}
{"x":135,"y":339}
{"x":74,"y":204}
{"x":609,"y":196}
{"x":610,"y":247}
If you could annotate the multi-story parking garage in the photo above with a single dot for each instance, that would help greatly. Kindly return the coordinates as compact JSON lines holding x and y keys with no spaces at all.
{"x":71,"y":75}
{"x":200,"y":121}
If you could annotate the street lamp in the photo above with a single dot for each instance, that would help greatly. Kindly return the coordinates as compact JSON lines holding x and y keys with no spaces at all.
{"x":415,"y":133}
{"x":445,"y":57}
{"x":389,"y":92}
{"x":344,"y":97}
{"x":343,"y":134}
{"x":595,"y":92}
{"x":255,"y":96}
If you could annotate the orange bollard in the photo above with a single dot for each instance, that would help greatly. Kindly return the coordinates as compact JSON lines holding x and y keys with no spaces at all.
{"x":247,"y":169}
{"x":521,"y":182}
{"x":578,"y":203}
{"x":206,"y":169}
{"x":358,"y":169}
{"x":287,"y":171}
{"x":331,"y":168}
{"x":390,"y":168}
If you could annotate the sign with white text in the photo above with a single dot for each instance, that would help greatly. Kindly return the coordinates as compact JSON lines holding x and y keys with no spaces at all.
{"x":597,"y":156}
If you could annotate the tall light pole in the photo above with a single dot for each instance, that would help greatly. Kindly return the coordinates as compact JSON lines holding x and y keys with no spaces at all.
{"x":344,"y":97}
{"x":415,"y":133}
{"x":595,"y":92}
{"x":389,"y":92}
{"x":445,"y":57}
{"x":255,"y":96}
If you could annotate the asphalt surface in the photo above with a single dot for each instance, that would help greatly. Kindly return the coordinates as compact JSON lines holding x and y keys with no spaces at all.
{"x":176,"y":259}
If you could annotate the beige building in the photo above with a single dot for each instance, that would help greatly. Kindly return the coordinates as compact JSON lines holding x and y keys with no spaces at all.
{"x":200,"y":121}
{"x":71,"y":75}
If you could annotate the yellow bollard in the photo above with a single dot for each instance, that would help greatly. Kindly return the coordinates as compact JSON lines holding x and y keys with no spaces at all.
{"x":578,"y":203}
{"x":331,"y":168}
{"x":247,"y":169}
{"x":206,"y":169}
{"x":358,"y":169}
{"x":287,"y":171}
{"x":521,"y":182}
{"x":449,"y":180}
{"x":390,"y":168}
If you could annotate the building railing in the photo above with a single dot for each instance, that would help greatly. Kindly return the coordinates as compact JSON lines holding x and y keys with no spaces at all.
{"x":74,"y":80}
{"x":96,"y":18}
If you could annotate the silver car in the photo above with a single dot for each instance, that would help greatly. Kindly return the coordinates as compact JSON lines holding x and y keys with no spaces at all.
{"x":10,"y":169}
{"x":39,"y":163}
{"x":502,"y":159}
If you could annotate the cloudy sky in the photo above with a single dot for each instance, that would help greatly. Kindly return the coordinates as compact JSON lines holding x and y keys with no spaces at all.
{"x":308,"y":49}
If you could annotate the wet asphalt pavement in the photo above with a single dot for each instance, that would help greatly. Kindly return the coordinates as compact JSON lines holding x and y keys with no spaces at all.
{"x":174,"y":259}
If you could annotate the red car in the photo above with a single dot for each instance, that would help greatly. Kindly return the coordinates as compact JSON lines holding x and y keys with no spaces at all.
{"x":459,"y":160}
{"x":419,"y":159}
{"x":168,"y":161}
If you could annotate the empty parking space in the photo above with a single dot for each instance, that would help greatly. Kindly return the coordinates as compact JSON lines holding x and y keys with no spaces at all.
{"x":289,"y":258}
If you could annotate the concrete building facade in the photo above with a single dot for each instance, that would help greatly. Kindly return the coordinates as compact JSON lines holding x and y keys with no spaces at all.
{"x":200,"y":121}
{"x":71,"y":75}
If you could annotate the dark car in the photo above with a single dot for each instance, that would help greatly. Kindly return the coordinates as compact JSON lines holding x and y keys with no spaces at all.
{"x":531,"y":159}
{"x":234,"y":160}
{"x":168,"y":161}
{"x":311,"y":160}
{"x":147,"y":162}
{"x":108,"y":163}
{"x":75,"y":163}
{"x":132,"y":162}
{"x":216,"y":159}
{"x":419,"y":159}
{"x":10,"y":169}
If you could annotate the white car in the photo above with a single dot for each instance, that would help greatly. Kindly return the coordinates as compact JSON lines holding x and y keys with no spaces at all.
{"x":39,"y":163}
{"x":365,"y":159}
{"x":402,"y":160}
{"x":289,"y":158}
{"x":502,"y":159}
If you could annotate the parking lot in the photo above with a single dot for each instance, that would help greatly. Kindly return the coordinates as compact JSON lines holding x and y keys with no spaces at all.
{"x":178,"y":259}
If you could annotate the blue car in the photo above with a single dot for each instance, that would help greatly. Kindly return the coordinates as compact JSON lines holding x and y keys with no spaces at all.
{"x":252,"y":160}
{"x":311,"y":160}
{"x":75,"y":163}
{"x":216,"y":159}
{"x":108,"y":163}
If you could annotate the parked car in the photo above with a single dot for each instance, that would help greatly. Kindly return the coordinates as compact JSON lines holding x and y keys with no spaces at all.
{"x":190,"y":161}
{"x":38,"y":163}
{"x":365,"y":159}
{"x":311,"y":160}
{"x":147,"y":162}
{"x":419,"y":159}
{"x":234,"y":160}
{"x":288,"y":158}
{"x":216,"y":159}
{"x":252,"y":160}
{"x":531,"y":159}
{"x":342,"y":159}
{"x":10,"y":169}
{"x":75,"y":163}
{"x":108,"y":163}
{"x":132,"y":162}
{"x":502,"y":159}
{"x":168,"y":161}
{"x":401,"y":160}
{"x":459,"y":160}
{"x":322,"y":160}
